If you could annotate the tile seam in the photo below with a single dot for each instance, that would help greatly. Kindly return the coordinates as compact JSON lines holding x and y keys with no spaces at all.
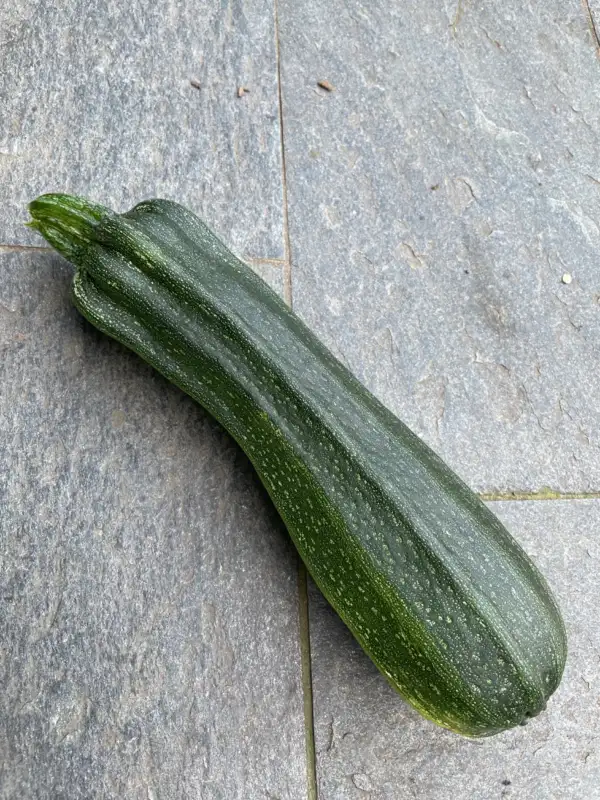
{"x":279,"y":263}
{"x":304,"y":621}
{"x":286,"y":232}
{"x":517,"y":496}
{"x":307,"y":687}
{"x":26,"y":248}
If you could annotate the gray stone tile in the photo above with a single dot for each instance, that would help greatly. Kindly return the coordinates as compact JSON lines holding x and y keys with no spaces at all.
{"x":96,"y":99}
{"x":370,"y":744}
{"x":437,"y":196}
{"x":149,"y":623}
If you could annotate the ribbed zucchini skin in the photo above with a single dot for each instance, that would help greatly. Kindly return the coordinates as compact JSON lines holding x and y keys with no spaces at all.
{"x":434,"y":588}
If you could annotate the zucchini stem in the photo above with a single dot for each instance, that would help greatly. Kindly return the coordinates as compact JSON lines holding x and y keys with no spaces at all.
{"x":67,"y":222}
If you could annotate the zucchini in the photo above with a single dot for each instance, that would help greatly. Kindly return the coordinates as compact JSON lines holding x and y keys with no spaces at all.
{"x":436,"y":591}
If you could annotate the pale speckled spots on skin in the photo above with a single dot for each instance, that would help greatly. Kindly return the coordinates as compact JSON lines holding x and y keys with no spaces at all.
{"x":259,"y":373}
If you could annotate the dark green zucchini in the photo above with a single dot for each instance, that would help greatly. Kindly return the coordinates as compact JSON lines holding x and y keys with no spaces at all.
{"x":436,"y":591}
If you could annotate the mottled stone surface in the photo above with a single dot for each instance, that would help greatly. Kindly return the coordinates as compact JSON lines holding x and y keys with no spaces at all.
{"x":96,"y":99}
{"x":437,"y":196}
{"x":444,"y":209}
{"x":148,"y":593}
{"x":370,"y":744}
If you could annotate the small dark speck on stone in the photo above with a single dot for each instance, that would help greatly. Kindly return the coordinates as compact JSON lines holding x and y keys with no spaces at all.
{"x":506,"y":782}
{"x":466,"y":272}
{"x":326,"y":85}
{"x":196,"y":84}
{"x":435,"y":187}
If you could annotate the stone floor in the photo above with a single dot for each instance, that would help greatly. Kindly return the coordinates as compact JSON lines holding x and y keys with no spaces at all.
{"x":433,"y":211}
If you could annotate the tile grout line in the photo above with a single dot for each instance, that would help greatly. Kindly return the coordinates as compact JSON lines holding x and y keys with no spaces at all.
{"x":23,"y":248}
{"x":287,"y":277}
{"x":307,"y":689}
{"x":304,"y":621}
{"x":517,"y":496}
{"x":280,"y":263}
